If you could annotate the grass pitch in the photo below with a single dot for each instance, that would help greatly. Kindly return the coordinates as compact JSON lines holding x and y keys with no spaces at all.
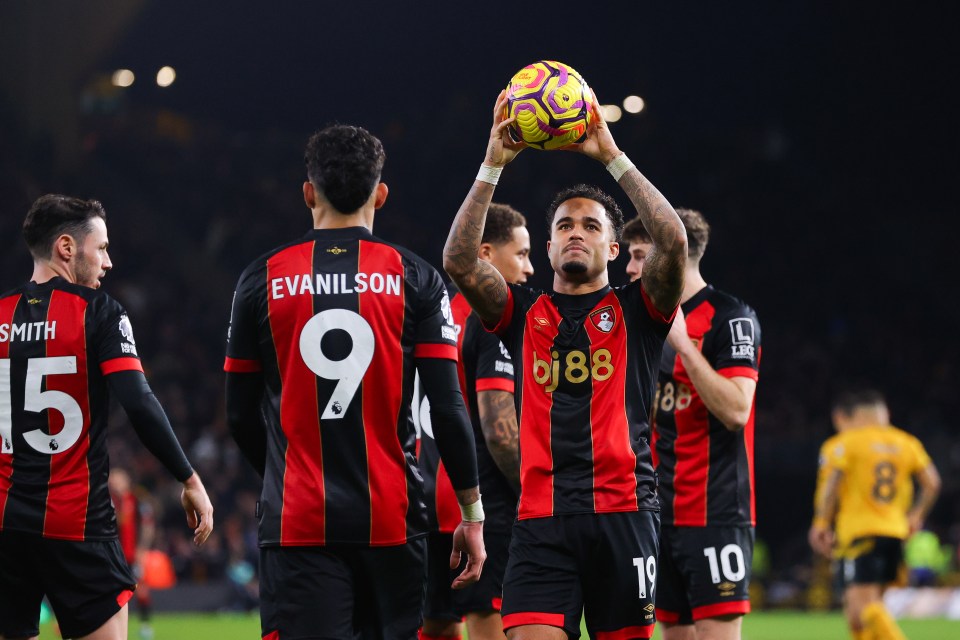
{"x":756,"y":626}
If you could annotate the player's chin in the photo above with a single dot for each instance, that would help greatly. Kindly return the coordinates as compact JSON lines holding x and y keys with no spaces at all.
{"x":574,"y":267}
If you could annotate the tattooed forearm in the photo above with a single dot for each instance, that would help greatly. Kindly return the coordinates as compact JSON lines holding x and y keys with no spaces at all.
{"x":663,"y":271}
{"x":498,"y":420}
{"x":481,"y":284}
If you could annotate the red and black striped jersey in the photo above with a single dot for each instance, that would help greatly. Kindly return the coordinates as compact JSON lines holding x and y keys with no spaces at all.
{"x":484,"y":365}
{"x":334,"y":321}
{"x":132,"y":514}
{"x":58,"y":342}
{"x":706,"y":470}
{"x":585,"y":390}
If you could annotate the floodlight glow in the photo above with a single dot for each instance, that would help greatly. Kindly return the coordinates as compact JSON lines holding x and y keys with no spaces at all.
{"x":611,"y":112}
{"x":122,"y":78}
{"x":633,"y":104}
{"x":166,"y":76}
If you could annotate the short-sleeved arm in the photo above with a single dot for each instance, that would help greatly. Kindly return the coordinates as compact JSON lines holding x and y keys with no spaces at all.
{"x":494,"y":367}
{"x":436,"y":335}
{"x":920,"y":458}
{"x":243,"y":350}
{"x":735,"y":343}
{"x":115,"y":346}
{"x":834,"y":455}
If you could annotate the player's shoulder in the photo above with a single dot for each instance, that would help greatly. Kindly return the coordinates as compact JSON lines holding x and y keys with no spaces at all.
{"x":415,"y":266}
{"x":727,"y":304}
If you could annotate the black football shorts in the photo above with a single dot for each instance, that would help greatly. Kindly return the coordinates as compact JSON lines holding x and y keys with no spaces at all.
{"x":603,"y":565}
{"x":439,"y":602}
{"x":342,"y":591}
{"x":486,"y":594}
{"x":87,"y":583}
{"x":870,"y":560}
{"x":704,"y":572}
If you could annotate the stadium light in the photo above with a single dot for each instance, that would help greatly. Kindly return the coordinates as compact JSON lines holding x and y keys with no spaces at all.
{"x":633,"y":104}
{"x":122,"y":78}
{"x":166,"y":76}
{"x":611,"y":112}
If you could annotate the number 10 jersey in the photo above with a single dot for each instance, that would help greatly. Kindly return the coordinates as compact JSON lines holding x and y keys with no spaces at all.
{"x":334,"y":322}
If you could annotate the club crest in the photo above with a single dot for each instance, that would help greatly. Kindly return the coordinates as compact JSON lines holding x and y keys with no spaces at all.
{"x":604,"y":318}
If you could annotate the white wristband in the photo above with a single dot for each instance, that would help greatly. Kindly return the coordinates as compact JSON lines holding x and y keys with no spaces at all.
{"x":490,"y":175}
{"x":472,"y":512}
{"x":619,"y":166}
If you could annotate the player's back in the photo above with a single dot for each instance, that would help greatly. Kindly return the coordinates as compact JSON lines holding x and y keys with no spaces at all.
{"x":878,"y":463}
{"x":57,"y":342}
{"x":334,"y":321}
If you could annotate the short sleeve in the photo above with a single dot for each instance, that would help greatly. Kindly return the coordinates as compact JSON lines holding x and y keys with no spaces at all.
{"x":243,"y":351}
{"x":735,"y":343}
{"x":116,"y":347}
{"x":921,"y":459}
{"x":834,"y":455}
{"x":494,"y":367}
{"x":436,"y":335}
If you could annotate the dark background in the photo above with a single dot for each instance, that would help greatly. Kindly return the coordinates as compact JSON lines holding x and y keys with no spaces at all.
{"x":819,"y":139}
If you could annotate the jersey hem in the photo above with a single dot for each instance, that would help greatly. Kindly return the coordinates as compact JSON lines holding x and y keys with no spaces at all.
{"x":532,"y":516}
{"x":327,"y":543}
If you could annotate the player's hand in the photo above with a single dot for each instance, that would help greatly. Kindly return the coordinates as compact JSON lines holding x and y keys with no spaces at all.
{"x":821,"y":540}
{"x":501,"y":148}
{"x":678,"y":337}
{"x":599,"y":143}
{"x":915,"y":520}
{"x":468,"y":538}
{"x":199,"y":510}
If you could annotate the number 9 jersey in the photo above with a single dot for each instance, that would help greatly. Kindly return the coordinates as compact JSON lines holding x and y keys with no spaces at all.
{"x":334,"y":322}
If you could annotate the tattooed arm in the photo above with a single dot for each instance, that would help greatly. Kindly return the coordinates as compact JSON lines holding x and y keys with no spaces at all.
{"x":498,"y":421}
{"x":664,"y":267}
{"x":479,"y":282}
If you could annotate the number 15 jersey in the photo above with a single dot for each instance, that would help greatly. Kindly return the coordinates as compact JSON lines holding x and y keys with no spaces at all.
{"x":334,"y":321}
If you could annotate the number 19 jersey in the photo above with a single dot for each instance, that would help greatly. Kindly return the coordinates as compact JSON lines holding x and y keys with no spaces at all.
{"x":334,"y":322}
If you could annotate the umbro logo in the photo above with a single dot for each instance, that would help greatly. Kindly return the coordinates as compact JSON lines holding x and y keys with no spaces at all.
{"x":336,"y":250}
{"x":34,"y":300}
{"x":649,"y":608}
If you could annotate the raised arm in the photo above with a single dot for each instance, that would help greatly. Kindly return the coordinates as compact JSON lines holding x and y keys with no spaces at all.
{"x":664,"y":267}
{"x":479,"y":282}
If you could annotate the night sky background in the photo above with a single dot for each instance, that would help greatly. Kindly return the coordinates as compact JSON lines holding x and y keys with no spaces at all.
{"x":819,"y":139}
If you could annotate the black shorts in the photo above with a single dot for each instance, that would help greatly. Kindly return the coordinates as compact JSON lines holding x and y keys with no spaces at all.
{"x":704,"y":572}
{"x":603,"y":565}
{"x":342,"y":591}
{"x":486,"y":594}
{"x":439,"y":602}
{"x":87,"y":583}
{"x":870,"y":560}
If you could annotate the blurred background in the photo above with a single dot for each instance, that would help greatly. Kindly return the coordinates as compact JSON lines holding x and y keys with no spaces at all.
{"x":818,"y":138}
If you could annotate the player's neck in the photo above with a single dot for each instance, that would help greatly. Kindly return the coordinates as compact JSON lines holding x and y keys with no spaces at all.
{"x":569,"y":287}
{"x":693,"y":283}
{"x":46,"y":271}
{"x":327,"y":218}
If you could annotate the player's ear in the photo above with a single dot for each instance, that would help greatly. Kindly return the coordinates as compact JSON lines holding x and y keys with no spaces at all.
{"x":309,"y":195}
{"x":64,"y":247}
{"x":486,"y":250}
{"x":614,"y":250}
{"x":381,"y":195}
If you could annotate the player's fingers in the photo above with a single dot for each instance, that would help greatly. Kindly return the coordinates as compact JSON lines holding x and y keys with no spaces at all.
{"x":498,"y":107}
{"x":470,"y":574}
{"x":455,"y":558}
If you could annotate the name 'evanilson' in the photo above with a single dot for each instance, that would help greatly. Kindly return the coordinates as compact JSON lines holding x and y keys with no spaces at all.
{"x":334,"y":283}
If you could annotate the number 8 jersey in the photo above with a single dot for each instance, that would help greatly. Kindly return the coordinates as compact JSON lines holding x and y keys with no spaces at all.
{"x":334,"y":321}
{"x":58,"y":342}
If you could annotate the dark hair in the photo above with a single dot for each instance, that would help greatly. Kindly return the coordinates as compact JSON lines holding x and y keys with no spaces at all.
{"x":502,"y":219}
{"x":591,"y":193}
{"x":698,"y":232}
{"x":52,"y":216}
{"x":344,"y":163}
{"x":849,"y":401}
{"x":634,"y":231}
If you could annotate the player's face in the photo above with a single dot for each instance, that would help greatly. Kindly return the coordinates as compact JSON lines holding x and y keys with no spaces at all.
{"x":581,"y":240}
{"x":93,"y":262}
{"x":512,"y":259}
{"x":638,"y":252}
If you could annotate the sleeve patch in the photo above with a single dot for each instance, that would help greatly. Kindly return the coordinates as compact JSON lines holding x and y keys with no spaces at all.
{"x":742,"y":338}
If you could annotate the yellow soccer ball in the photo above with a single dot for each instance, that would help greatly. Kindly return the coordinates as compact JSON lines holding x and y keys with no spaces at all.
{"x":551,"y":102}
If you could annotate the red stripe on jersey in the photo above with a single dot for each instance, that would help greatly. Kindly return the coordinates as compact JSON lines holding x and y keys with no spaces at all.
{"x":303,"y":517}
{"x":382,"y":398}
{"x":69,"y":488}
{"x":505,"y":317}
{"x":426,"y":350}
{"x":739,"y":372}
{"x":519,"y":619}
{"x":721,"y":609}
{"x":240,"y":365}
{"x":748,"y":435}
{"x":536,"y":456}
{"x":445,"y":502}
{"x":120,"y":364}
{"x":614,"y":460}
{"x":495,"y":384}
{"x":7,"y":308}
{"x":692,"y":446}
{"x":461,"y":310}
{"x":655,"y":313}
{"x":645,"y":631}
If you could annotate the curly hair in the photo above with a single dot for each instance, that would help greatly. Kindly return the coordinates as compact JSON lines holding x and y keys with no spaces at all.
{"x":344,"y":163}
{"x":698,"y":232}
{"x":614,"y":214}
{"x":502,"y":219}
{"x":54,"y":215}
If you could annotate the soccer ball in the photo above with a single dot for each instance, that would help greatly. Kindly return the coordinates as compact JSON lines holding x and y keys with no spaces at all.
{"x":551,"y":102}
